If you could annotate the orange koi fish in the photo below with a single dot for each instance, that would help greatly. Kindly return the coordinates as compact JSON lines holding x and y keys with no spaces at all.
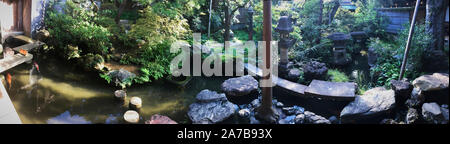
{"x":24,"y":52}
{"x":8,"y":80}
{"x":36,"y":66}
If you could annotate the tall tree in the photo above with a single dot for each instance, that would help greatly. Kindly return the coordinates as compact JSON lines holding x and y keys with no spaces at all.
{"x":435,"y":18}
{"x":319,"y":21}
{"x":230,"y":8}
{"x":335,"y":8}
{"x":122,"y":6}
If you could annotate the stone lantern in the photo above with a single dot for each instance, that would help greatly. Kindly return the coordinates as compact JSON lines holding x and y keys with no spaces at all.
{"x":250,"y":23}
{"x":359,"y":36}
{"x":284,"y":28}
{"x":339,"y":50}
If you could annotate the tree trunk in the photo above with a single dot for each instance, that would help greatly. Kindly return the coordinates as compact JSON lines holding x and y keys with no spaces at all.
{"x":227,"y":20}
{"x":333,"y":11}
{"x":435,"y":18}
{"x":319,"y":21}
{"x":121,"y":8}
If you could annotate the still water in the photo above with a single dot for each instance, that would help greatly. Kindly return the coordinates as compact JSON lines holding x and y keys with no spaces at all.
{"x":61,"y":94}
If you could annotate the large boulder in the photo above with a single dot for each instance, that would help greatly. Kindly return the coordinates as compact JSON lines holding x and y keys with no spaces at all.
{"x":160,"y":119}
{"x":434,"y":88}
{"x":437,"y":81}
{"x":402,"y":90}
{"x":375,"y":102}
{"x":315,"y":70}
{"x":211,"y":108}
{"x":432,"y":113}
{"x":241,"y":86}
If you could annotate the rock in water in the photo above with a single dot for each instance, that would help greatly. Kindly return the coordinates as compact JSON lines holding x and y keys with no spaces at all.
{"x":437,"y":81}
{"x":412,"y":116}
{"x":207,"y":96}
{"x":402,"y":90}
{"x":131,"y":116}
{"x":432,"y":113}
{"x":160,"y":119}
{"x":135,"y":103}
{"x":211,"y":108}
{"x":374,"y":102}
{"x":120,"y":95}
{"x":241,"y":86}
{"x":121,"y":77}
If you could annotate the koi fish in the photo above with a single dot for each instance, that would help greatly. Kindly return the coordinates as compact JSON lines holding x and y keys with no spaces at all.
{"x":24,"y":52}
{"x":8,"y":80}
{"x":36,"y":66}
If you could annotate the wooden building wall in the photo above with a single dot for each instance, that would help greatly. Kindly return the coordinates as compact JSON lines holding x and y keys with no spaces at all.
{"x":15,"y":16}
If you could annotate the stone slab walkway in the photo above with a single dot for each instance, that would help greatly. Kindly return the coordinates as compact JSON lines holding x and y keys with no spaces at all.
{"x":8,"y":114}
{"x":317,"y":89}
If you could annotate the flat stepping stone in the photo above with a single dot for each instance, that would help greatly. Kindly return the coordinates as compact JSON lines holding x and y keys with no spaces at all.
{"x":344,"y":91}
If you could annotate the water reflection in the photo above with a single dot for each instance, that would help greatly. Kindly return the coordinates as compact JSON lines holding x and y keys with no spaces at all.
{"x":66,"y":118}
{"x":61,"y":94}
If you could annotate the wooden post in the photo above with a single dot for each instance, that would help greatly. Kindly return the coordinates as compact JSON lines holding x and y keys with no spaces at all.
{"x":265,"y":111}
{"x":408,"y":44}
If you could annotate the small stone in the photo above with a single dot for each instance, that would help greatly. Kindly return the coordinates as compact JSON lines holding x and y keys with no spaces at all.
{"x":432,"y":113}
{"x":244,"y":113}
{"x":135,"y":103}
{"x":300,"y":119}
{"x":131,"y":116}
{"x":279,"y":104}
{"x":333,"y":120}
{"x":120,"y":95}
{"x":256,"y":103}
{"x":412,"y":116}
{"x":312,"y":118}
{"x":288,"y":120}
{"x":294,"y":75}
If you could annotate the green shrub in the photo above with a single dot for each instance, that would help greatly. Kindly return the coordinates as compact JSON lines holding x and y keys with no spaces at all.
{"x":77,"y":28}
{"x":337,"y":76}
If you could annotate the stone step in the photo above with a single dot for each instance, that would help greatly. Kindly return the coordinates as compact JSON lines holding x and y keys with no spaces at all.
{"x":342,"y":91}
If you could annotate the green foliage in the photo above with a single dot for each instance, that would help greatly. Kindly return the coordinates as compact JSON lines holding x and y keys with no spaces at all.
{"x":158,"y":32}
{"x":76,"y":28}
{"x":366,"y":19}
{"x":391,"y":55}
{"x":337,"y":76}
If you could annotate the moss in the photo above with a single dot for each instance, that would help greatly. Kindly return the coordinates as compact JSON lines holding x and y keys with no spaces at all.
{"x":337,"y":76}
